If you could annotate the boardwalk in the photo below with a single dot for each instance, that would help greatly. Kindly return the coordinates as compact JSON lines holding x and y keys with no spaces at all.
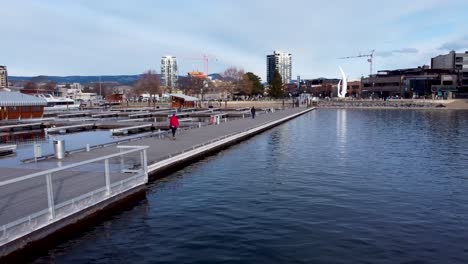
{"x":24,"y":198}
{"x":160,"y":149}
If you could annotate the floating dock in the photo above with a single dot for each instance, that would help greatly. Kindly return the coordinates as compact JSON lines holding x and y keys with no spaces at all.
{"x":20,"y":127}
{"x":126,"y":130}
{"x":7,"y":149}
{"x":66,"y":129}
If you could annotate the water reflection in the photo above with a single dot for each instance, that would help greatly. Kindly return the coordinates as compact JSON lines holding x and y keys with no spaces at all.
{"x":341,"y":127}
{"x":22,"y":138}
{"x":25,"y":143}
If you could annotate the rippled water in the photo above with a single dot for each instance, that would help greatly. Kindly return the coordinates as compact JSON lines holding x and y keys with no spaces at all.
{"x":332,"y":186}
{"x":25,"y":143}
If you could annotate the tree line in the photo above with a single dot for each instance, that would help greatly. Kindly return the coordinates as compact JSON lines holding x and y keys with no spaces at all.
{"x":234,"y":82}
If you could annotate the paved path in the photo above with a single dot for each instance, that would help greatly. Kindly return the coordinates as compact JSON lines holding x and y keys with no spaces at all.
{"x":162,"y":148}
{"x":458,"y":104}
{"x":21,"y":199}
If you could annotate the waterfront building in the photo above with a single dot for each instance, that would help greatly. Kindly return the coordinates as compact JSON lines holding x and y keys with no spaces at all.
{"x":76,"y":86}
{"x":281,"y":61}
{"x":169,"y":73}
{"x":14,"y":105}
{"x":321,"y":87}
{"x":457,"y":63}
{"x":410,"y":83}
{"x":354,"y":89}
{"x":183,"y":101}
{"x":3,"y":77}
{"x":197,"y":75}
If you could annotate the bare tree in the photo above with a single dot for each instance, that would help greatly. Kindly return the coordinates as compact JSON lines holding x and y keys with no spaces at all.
{"x":49,"y":86}
{"x":104,"y":88}
{"x":131,"y":94}
{"x":149,"y":83}
{"x":31,"y":86}
{"x":191,"y":85}
{"x":234,"y":75}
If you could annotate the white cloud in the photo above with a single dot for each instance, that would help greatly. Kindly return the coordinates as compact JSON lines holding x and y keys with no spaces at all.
{"x":118,"y":37}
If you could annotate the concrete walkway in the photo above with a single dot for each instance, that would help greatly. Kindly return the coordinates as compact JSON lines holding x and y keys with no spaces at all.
{"x":461,"y":104}
{"x":23,"y":198}
{"x":163,"y":148}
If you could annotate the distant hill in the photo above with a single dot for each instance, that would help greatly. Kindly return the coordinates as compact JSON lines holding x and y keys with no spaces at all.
{"x":215,"y":76}
{"x":123,"y":79}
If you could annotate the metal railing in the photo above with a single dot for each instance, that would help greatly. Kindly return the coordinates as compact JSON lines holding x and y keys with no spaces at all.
{"x":24,"y":209}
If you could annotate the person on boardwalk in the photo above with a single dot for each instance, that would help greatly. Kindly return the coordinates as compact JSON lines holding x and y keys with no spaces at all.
{"x":252,"y":111}
{"x":174,"y":124}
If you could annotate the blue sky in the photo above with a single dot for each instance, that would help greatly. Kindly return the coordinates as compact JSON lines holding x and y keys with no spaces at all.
{"x":53,"y":37}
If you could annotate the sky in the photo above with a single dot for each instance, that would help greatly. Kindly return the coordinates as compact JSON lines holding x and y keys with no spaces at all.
{"x":88,"y":37}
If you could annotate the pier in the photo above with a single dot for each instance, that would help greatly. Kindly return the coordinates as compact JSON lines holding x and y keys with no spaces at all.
{"x":66,"y":191}
{"x":65,"y":129}
{"x":7,"y":149}
{"x":126,"y":130}
{"x":20,"y":127}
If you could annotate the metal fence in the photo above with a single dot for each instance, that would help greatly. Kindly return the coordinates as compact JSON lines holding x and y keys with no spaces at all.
{"x":34,"y":201}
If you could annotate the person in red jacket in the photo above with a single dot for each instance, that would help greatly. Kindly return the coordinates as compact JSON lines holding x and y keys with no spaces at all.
{"x":174,"y":124}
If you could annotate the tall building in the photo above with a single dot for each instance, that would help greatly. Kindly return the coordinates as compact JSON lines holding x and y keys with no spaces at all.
{"x":3,"y":77}
{"x":281,"y":61}
{"x":169,"y":74}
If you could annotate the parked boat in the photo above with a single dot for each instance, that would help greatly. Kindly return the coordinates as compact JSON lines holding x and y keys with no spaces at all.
{"x":58,"y":103}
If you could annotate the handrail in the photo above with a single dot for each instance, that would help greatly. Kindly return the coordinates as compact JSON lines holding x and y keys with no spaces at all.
{"x":49,"y":171}
{"x":35,"y":220}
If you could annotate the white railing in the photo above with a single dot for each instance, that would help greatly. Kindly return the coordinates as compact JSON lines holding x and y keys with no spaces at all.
{"x":23,"y":198}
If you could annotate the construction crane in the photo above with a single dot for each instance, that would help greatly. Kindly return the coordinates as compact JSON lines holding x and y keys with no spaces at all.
{"x":369,"y":56}
{"x":205,"y":58}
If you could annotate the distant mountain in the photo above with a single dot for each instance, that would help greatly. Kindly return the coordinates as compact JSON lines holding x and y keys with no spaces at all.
{"x":123,"y":79}
{"x":216,"y":76}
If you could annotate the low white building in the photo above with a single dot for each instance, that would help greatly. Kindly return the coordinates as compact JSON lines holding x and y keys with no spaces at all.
{"x":78,"y":94}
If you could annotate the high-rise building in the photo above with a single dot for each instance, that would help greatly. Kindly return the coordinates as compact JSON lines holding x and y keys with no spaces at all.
{"x":169,"y":74}
{"x":281,"y":61}
{"x":3,"y":77}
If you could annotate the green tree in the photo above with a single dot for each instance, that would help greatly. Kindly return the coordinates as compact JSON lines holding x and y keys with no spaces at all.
{"x":276,"y":85}
{"x":256,"y":82}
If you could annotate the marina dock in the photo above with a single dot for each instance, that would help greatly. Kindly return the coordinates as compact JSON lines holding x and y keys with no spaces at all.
{"x":41,"y":198}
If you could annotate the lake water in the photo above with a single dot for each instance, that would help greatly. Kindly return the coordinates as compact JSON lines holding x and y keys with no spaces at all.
{"x":25,"y":143}
{"x":332,"y":186}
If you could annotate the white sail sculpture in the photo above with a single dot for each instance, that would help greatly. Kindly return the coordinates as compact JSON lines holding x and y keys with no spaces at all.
{"x":338,"y":89}
{"x":344,"y":87}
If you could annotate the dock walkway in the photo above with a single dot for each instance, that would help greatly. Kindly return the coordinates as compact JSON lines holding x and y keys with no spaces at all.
{"x":160,"y":149}
{"x":24,"y":198}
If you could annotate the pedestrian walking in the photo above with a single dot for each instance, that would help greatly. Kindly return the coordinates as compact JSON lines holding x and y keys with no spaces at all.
{"x":174,"y":124}
{"x":252,"y":111}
